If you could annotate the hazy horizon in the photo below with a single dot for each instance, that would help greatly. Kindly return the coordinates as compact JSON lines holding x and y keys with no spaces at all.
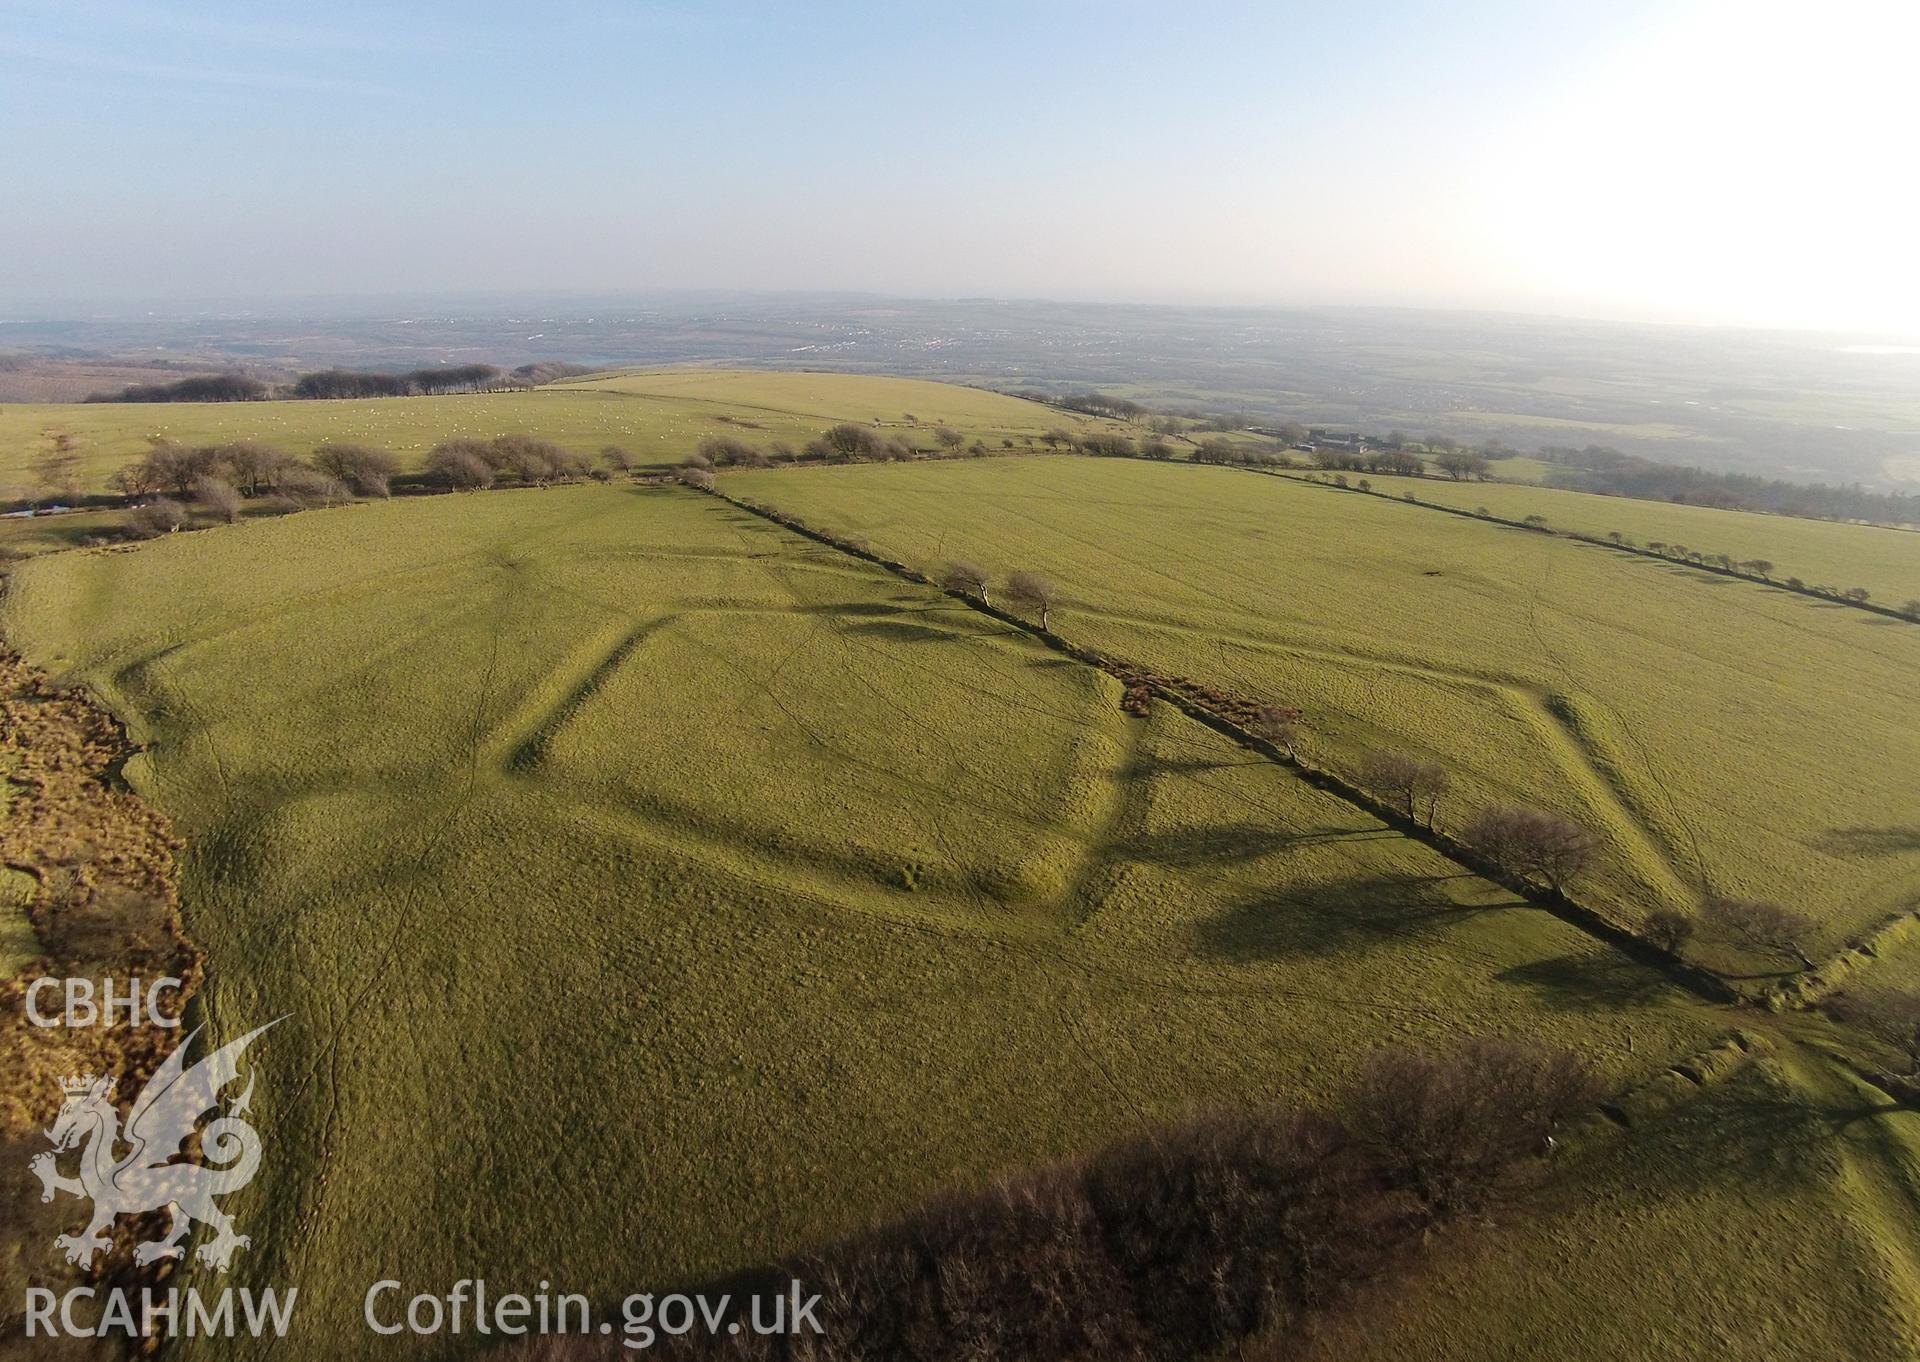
{"x":1704,"y":162}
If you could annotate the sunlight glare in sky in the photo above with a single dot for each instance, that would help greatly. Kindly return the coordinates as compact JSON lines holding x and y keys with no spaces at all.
{"x":1743,"y":162}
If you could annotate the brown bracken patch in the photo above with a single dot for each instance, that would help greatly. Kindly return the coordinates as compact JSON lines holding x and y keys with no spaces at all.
{"x":103,"y":906}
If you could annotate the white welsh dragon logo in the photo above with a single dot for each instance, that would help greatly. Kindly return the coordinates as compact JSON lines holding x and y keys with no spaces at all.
{"x":163,"y":1117}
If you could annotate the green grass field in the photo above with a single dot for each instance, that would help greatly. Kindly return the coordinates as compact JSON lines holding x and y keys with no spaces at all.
{"x":1775,"y":1214}
{"x":659,"y":415}
{"x":1722,"y":736}
{"x":652,"y":892}
{"x":1885,"y":561}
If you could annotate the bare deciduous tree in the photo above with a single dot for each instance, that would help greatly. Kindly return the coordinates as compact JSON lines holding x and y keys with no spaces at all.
{"x":697,"y":477}
{"x":726,"y":449}
{"x":461,"y":465}
{"x":969,"y":579}
{"x":617,"y":459}
{"x":844,"y":439}
{"x":1533,"y":842}
{"x":301,"y":486}
{"x":1279,"y":725}
{"x":1771,"y":928}
{"x":218,"y":498}
{"x":1668,"y":928}
{"x":1411,"y":785}
{"x":252,"y":466}
{"x":1447,"y":1125}
{"x":534,"y":461}
{"x":1461,"y":464}
{"x":160,"y":516}
{"x":948,"y":438}
{"x":366,"y":470}
{"x":1032,"y":591}
{"x":175,"y":466}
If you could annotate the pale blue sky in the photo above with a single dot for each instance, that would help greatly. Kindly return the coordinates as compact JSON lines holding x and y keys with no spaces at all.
{"x":1593,"y":158}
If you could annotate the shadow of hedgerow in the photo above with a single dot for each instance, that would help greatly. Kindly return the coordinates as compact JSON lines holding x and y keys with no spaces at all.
{"x":1329,"y":918}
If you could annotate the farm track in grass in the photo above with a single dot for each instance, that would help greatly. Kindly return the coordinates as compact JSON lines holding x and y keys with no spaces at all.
{"x":1715,"y":700}
{"x":825,"y":893}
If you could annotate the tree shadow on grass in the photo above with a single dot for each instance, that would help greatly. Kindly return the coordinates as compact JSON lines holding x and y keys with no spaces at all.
{"x":1869,"y":841}
{"x":1147,"y":765}
{"x":1604,"y":978}
{"x":1235,"y":842}
{"x":1703,"y":576}
{"x":1744,"y":1133}
{"x":897,"y":606}
{"x":1328,"y":919}
{"x":903,"y":631}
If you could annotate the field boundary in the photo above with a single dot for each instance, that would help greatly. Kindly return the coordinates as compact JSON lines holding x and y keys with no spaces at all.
{"x":1702,"y":982}
{"x":1809,"y":987}
{"x":1599,"y":541}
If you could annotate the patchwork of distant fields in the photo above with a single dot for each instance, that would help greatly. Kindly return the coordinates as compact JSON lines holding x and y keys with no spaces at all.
{"x":653,"y":892}
{"x":658,"y":415}
{"x":1725,"y":738}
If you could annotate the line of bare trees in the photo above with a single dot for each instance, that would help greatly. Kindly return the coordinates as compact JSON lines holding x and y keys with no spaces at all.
{"x":220,"y":480}
{"x":1553,"y":851}
{"x":843,"y":442}
{"x":172,"y":481}
{"x":1030,"y":592}
{"x":335,"y":384}
{"x":467,"y":465}
{"x":1760,"y":569}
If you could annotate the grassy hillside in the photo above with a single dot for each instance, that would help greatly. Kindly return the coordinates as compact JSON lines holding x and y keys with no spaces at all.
{"x":652,"y":893}
{"x":659,"y":415}
{"x":1697,"y":721}
{"x":1886,"y":562}
{"x":1773,"y":1215}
